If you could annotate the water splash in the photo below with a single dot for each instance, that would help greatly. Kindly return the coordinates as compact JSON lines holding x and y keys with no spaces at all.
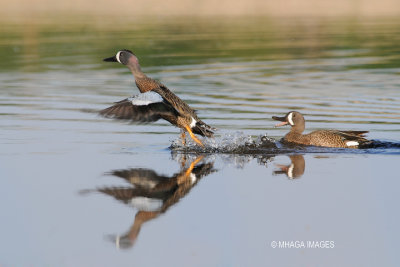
{"x":240,"y":143}
{"x":229,"y":143}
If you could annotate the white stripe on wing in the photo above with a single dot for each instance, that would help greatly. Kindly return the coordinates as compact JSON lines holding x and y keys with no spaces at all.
{"x":146,"y":99}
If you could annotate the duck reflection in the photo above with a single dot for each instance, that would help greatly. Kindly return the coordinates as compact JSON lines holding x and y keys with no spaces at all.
{"x":293,"y":170}
{"x":153,"y":194}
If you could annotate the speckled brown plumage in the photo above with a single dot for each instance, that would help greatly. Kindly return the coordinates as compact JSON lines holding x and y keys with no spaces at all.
{"x":145,"y":84}
{"x":325,"y":138}
{"x":171,"y":108}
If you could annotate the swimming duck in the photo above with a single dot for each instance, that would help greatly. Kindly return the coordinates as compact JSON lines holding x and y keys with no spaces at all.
{"x":154,"y":102}
{"x":325,"y":138}
{"x":295,"y":169}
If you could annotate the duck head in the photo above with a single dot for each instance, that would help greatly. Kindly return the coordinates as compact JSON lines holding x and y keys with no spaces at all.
{"x":125,"y":57}
{"x":295,"y":169}
{"x":129,"y":59}
{"x":293,"y":118}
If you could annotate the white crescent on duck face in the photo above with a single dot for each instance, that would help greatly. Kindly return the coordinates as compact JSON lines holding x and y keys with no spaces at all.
{"x":155,"y":102}
{"x":117,"y":56}
{"x":290,"y":116}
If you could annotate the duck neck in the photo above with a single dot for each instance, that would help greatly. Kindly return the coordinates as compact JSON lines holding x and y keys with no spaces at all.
{"x":136,"y":71}
{"x":295,"y":135}
{"x":298,"y":129}
{"x":133,"y":65}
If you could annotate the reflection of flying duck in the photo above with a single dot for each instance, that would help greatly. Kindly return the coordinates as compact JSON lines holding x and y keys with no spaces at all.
{"x":295,"y":169}
{"x":153,"y":194}
{"x":155,"y":102}
{"x":325,"y":138}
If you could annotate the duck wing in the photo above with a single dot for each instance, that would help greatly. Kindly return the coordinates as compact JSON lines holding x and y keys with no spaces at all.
{"x":146,"y":107}
{"x":352,"y":135}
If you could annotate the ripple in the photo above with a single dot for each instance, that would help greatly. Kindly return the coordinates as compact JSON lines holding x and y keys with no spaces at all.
{"x":231,"y":96}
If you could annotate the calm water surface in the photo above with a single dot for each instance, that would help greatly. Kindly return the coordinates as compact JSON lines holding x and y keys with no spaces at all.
{"x":63,"y":204}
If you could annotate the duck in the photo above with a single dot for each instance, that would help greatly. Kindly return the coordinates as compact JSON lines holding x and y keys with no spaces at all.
{"x":154,"y":102}
{"x":323,"y":138}
{"x":295,"y":169}
{"x":152,"y":194}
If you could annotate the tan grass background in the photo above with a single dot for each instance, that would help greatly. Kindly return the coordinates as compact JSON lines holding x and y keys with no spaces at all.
{"x":17,"y":8}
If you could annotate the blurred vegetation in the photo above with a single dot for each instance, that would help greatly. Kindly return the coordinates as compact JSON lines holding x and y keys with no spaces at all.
{"x":50,"y":43}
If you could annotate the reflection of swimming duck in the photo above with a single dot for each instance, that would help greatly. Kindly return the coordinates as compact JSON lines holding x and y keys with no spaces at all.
{"x":295,"y":169}
{"x":155,"y":102}
{"x":326,"y":138}
{"x":153,"y":194}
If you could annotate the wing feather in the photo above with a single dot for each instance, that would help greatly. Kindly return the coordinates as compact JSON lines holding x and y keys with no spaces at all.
{"x":146,"y":107}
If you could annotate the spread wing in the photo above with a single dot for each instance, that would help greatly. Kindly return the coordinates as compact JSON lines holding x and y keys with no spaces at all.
{"x":145,"y":107}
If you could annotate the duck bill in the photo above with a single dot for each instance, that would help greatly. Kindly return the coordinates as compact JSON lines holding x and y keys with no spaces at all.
{"x":111,"y":59}
{"x":282,"y":119}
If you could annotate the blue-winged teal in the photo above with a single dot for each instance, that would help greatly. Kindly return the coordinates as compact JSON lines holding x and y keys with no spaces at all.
{"x":295,"y":169}
{"x":154,"y":102}
{"x":153,"y":194}
{"x":326,"y":138}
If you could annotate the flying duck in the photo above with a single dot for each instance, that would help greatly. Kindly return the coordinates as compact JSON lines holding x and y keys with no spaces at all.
{"x":153,"y":194}
{"x":325,"y":138}
{"x":154,"y":102}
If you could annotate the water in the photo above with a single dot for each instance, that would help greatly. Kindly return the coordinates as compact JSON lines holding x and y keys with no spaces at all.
{"x":57,"y":156}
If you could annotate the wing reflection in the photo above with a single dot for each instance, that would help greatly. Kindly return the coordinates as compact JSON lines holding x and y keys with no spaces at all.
{"x":293,"y":170}
{"x":152,"y":194}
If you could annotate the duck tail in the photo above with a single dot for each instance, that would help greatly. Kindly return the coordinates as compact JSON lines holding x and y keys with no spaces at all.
{"x":203,"y":129}
{"x":356,"y":138}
